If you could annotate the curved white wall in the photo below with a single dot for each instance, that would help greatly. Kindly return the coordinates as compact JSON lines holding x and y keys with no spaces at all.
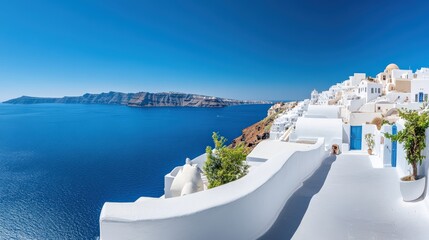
{"x":243,"y":209}
{"x":331,"y":129}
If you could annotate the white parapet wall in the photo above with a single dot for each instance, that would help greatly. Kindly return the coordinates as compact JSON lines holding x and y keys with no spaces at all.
{"x":243,"y":209}
{"x":331,"y":129}
{"x":323,"y":111}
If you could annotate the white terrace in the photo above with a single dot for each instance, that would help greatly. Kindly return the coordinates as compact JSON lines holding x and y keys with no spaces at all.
{"x":358,"y":200}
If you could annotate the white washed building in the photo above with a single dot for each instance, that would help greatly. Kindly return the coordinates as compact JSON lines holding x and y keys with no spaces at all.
{"x":356,"y":79}
{"x":314,"y":96}
{"x":369,"y":90}
{"x":420,"y":86}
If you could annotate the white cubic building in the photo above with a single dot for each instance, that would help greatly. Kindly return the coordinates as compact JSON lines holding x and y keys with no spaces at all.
{"x":369,"y":90}
{"x":420,"y":86}
{"x":356,"y":78}
{"x":314,"y":96}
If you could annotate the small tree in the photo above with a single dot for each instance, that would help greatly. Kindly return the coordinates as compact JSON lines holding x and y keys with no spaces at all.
{"x":369,"y":139}
{"x":413,"y":137}
{"x":224,"y":164}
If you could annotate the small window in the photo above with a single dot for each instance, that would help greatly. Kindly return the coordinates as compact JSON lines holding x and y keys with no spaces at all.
{"x":378,"y":90}
{"x":372,"y":90}
{"x":416,"y":98}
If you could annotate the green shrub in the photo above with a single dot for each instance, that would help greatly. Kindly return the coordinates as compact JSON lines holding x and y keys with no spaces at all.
{"x":224,"y":164}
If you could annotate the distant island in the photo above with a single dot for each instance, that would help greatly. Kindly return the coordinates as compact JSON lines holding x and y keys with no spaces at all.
{"x":140,"y":99}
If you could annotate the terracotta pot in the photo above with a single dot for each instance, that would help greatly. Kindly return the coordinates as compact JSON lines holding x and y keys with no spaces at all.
{"x":370,"y":151}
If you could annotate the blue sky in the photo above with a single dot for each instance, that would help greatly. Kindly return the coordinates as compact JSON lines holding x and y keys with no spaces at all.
{"x":237,"y":49}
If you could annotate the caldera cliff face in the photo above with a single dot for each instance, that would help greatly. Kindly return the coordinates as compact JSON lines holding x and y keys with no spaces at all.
{"x":140,"y":99}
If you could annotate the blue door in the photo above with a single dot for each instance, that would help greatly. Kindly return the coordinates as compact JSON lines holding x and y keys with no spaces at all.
{"x":420,"y":97}
{"x":394,"y":146}
{"x":355,"y":137}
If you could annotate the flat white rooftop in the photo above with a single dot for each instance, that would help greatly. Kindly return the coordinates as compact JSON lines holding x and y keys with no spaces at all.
{"x":356,"y":201}
{"x":270,"y":148}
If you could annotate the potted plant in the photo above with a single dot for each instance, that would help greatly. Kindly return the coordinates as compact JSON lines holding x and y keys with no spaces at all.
{"x":414,"y":140}
{"x":369,"y":138}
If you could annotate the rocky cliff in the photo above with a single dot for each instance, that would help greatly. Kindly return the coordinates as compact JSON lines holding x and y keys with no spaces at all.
{"x":141,"y":99}
{"x":259,"y":131}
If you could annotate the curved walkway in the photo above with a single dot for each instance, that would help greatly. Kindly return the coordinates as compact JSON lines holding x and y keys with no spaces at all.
{"x":356,"y":201}
{"x":295,"y":208}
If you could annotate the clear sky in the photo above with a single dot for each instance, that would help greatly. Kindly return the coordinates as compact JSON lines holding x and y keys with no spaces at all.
{"x":238,"y":49}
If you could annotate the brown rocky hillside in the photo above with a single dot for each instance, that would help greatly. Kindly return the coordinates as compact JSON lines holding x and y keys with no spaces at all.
{"x":259,"y":131}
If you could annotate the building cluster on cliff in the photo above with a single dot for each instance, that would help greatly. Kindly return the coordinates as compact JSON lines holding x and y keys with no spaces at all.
{"x":363,"y":98}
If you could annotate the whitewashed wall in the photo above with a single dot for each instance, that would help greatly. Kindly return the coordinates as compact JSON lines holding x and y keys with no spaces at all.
{"x":331,"y":129}
{"x":384,"y":107}
{"x":355,"y":104}
{"x":323,"y":111}
{"x":410,"y":106}
{"x":357,"y":118}
{"x":426,"y":167}
{"x":393,"y":97}
{"x":357,"y":78}
{"x":399,"y":74}
{"x":417,"y":86}
{"x":368,"y":108}
{"x":346,"y":133}
{"x":243,"y":209}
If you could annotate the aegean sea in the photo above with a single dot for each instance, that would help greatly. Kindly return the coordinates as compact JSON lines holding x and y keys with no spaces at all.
{"x":59,"y":163}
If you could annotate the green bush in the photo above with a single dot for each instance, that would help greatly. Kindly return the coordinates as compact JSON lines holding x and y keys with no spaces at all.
{"x":224,"y":164}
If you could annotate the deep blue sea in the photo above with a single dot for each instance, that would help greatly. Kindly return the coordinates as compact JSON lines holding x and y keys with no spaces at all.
{"x":60,"y":162}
